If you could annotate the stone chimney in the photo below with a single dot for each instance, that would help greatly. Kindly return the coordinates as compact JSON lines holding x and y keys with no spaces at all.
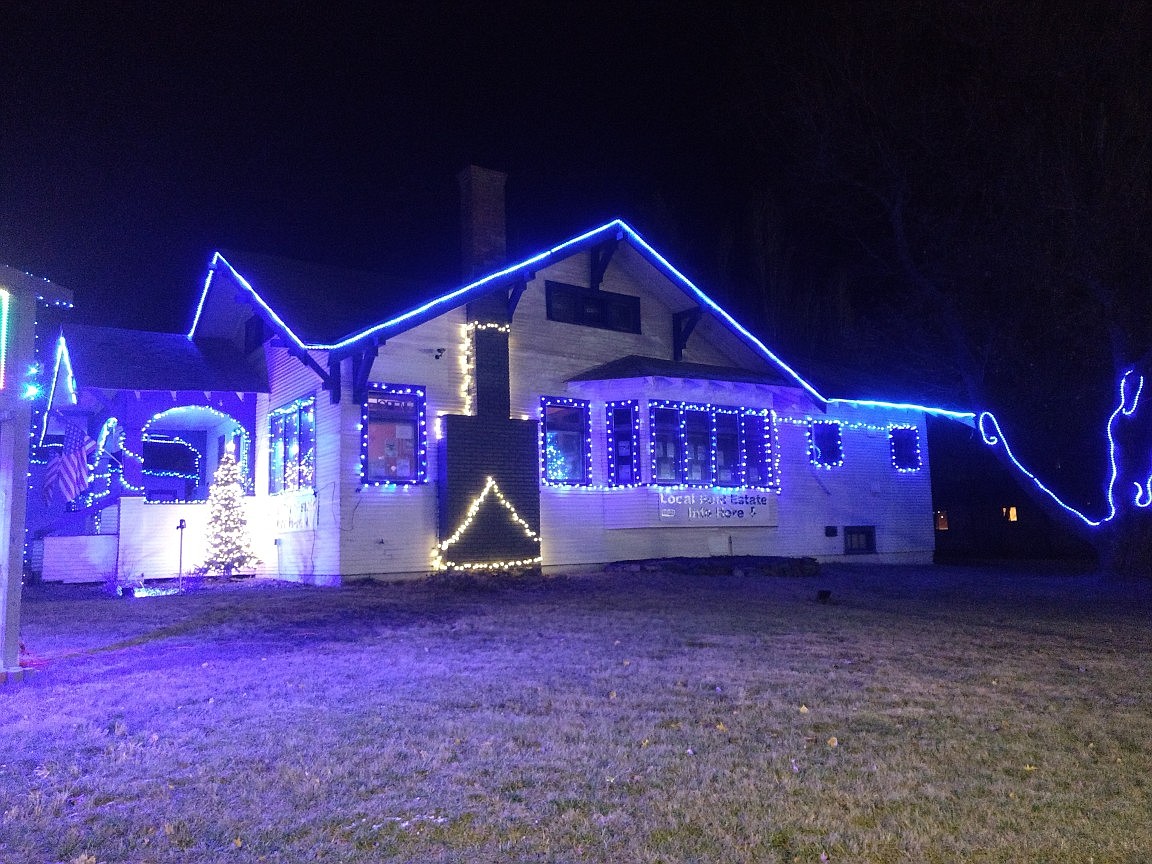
{"x":482,"y":224}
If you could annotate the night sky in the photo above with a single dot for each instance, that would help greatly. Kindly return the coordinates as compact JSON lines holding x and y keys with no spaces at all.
{"x":952,"y":200}
{"x":136,"y":142}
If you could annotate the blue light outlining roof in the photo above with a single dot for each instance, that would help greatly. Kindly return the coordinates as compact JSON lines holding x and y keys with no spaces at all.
{"x":711,"y":304}
{"x":992,"y":435}
{"x":62,"y":359}
{"x":455,"y":298}
{"x":963,"y":416}
{"x":218,"y":259}
{"x":447,"y":299}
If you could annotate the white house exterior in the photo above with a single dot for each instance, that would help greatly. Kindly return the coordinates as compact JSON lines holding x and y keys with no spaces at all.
{"x":588,"y":404}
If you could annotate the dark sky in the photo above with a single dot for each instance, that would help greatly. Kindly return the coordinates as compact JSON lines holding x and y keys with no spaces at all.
{"x":136,"y":138}
{"x":954,"y":198}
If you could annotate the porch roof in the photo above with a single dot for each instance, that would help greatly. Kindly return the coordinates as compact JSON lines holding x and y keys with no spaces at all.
{"x":118,"y":359}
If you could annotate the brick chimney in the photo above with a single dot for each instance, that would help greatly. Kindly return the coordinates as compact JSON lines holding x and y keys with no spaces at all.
{"x":482,"y":224}
{"x":488,"y":443}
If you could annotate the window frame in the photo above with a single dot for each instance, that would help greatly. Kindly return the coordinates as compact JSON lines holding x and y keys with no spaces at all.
{"x":657,"y":427}
{"x":419,"y":421}
{"x":690,"y":415}
{"x":612,"y":437}
{"x":815,"y":452}
{"x":296,"y":410}
{"x":918,"y":459}
{"x":771,"y":448}
{"x":859,"y":539}
{"x":592,"y":307}
{"x":584,"y":458}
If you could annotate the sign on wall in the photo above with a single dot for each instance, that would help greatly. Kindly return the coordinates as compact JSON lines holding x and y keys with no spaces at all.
{"x":294,"y":512}
{"x":665,"y":507}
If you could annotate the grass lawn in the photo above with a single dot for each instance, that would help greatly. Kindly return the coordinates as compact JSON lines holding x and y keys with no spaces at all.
{"x":923,"y":715}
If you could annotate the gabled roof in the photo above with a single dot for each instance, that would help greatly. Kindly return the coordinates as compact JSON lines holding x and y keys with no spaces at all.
{"x":323,"y":303}
{"x":290,"y":318}
{"x":119,"y":359}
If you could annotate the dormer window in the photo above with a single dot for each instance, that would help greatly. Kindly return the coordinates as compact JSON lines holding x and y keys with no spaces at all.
{"x":573,"y":304}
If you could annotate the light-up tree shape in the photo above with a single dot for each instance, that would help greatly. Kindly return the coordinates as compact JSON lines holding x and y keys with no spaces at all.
{"x":228,"y":543}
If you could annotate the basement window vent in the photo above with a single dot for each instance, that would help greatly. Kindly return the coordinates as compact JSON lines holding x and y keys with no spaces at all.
{"x":859,"y":539}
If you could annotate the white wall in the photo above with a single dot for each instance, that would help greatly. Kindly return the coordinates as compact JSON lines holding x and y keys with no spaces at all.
{"x":349,"y":530}
{"x":148,"y":543}
{"x":392,"y":529}
{"x":80,"y":559}
{"x":866,"y":490}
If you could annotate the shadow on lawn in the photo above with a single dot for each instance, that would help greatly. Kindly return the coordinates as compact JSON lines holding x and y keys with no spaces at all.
{"x":65,"y":623}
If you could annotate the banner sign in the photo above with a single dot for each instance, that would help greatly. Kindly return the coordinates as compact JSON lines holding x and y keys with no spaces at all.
{"x":656,"y":507}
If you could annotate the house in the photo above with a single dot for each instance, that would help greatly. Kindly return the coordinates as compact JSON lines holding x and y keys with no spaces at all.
{"x":160,"y":410}
{"x":583,"y":405}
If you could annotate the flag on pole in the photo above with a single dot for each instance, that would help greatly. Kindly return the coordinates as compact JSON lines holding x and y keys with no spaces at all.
{"x":67,"y":472}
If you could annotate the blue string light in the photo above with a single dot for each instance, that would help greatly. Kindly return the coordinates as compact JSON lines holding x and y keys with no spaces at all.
{"x":992,"y":435}
{"x":904,"y":442}
{"x":825,"y":443}
{"x":237,"y":427}
{"x":419,"y":419}
{"x":617,"y":437}
{"x":62,"y":359}
{"x":615,"y":228}
{"x":557,"y":467}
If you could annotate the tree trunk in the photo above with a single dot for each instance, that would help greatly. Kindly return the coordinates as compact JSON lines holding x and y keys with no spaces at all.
{"x":1125,"y":546}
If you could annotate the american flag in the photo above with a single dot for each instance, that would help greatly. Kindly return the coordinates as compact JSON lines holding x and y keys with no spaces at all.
{"x":67,"y":473}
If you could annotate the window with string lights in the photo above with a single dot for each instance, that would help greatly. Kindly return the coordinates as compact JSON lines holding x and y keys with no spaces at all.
{"x":905,"y":444}
{"x":565,"y":441}
{"x":697,"y":444}
{"x":622,"y":427}
{"x":292,"y":446}
{"x":825,"y":446}
{"x":394,"y":445}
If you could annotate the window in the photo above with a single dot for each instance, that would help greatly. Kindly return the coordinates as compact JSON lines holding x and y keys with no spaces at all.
{"x":697,"y":446}
{"x":759,"y":466}
{"x":622,"y":424}
{"x":905,"y":442}
{"x":941,"y":520}
{"x":394,"y":446}
{"x":710,"y":445}
{"x":664,"y":423}
{"x":292,"y":446}
{"x":824,"y":445}
{"x":1010,"y":513}
{"x":588,"y":307}
{"x":565,"y":433}
{"x":727,"y":447}
{"x":859,"y":539}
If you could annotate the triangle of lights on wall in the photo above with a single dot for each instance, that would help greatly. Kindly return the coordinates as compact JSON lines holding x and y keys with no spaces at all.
{"x":439,"y":562}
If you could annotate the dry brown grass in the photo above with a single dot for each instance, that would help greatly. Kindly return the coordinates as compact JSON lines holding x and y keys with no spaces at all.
{"x":927,"y":715}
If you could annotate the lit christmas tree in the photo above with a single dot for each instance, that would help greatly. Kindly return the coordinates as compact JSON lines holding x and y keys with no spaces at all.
{"x":228,"y":545}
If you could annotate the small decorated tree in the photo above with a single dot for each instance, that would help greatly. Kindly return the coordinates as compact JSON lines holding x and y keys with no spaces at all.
{"x":228,"y":543}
